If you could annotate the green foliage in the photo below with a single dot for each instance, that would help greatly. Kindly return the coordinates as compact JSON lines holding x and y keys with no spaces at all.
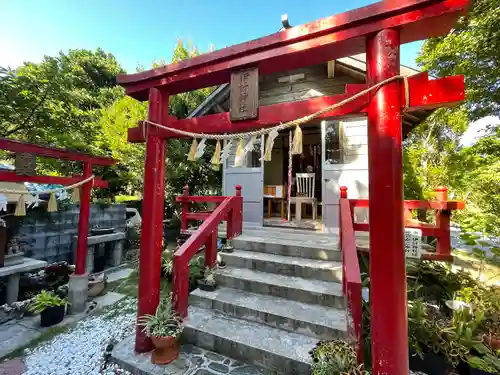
{"x":335,"y":357}
{"x":471,"y":48}
{"x":164,"y":323}
{"x":44,"y":300}
{"x":433,"y":154}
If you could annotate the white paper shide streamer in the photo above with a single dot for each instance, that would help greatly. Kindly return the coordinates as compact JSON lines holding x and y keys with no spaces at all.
{"x":226,"y":150}
{"x":200,"y":149}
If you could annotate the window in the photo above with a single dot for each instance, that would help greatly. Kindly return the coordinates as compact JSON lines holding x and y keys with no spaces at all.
{"x":333,"y":150}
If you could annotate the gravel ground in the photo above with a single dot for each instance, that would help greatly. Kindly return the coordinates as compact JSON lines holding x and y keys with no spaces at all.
{"x":81,"y":351}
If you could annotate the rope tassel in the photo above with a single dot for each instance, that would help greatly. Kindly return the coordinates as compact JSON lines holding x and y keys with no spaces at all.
{"x":192,"y":150}
{"x":75,"y":195}
{"x":240,"y":153}
{"x":269,"y":144}
{"x":297,"y":141}
{"x":52,"y":205}
{"x":20,"y":206}
{"x":216,"y":158}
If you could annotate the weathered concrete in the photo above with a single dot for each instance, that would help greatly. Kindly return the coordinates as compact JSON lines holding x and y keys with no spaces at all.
{"x":285,"y":265}
{"x":101,"y":238}
{"x":295,"y":288}
{"x":290,"y":242}
{"x":271,"y":348}
{"x":117,"y":253}
{"x":89,"y":260}
{"x":311,"y":320}
{"x":17,"y":334}
{"x":77,"y":293}
{"x":192,"y":361}
{"x":13,"y":272}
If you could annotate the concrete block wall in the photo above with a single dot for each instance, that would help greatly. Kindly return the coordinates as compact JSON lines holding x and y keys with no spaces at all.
{"x":50,"y":236}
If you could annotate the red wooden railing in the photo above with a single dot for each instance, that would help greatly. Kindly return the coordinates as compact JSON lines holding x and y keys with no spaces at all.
{"x":351,"y":275}
{"x":229,"y":209}
{"x":440,"y":230}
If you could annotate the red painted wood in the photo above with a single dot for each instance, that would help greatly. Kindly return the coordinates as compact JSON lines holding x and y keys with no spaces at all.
{"x":418,"y":205}
{"x":327,"y":39}
{"x":200,"y":198}
{"x":53,"y":152}
{"x":83,"y":222}
{"x":238,"y":213}
{"x":189,"y":249}
{"x":185,"y":208}
{"x":351,"y":275}
{"x":389,"y":326}
{"x":211,"y":249}
{"x":424,"y":94}
{"x":11,"y":176}
{"x":443,"y":244}
{"x":152,"y":228}
{"x":427,"y":229}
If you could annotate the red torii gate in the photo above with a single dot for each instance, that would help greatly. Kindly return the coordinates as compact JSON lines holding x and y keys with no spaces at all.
{"x":377,"y":29}
{"x":83,"y":223}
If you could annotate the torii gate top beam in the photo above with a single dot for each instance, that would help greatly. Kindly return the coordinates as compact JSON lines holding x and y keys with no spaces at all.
{"x":302,"y":45}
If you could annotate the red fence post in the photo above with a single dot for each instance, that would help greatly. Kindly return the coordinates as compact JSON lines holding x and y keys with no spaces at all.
{"x":211,"y":249}
{"x":185,"y":208}
{"x":180,"y":285}
{"x":343,"y":195}
{"x":238,"y":213}
{"x":152,"y":226}
{"x":83,"y":222}
{"x":443,"y":243}
{"x":389,"y":325}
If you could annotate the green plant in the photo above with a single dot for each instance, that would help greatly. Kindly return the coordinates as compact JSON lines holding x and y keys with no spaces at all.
{"x":44,"y":300}
{"x":164,"y":323}
{"x":335,"y":357}
{"x":488,"y":363}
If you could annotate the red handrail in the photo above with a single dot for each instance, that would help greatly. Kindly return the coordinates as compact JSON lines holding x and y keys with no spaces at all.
{"x":351,"y":275}
{"x":440,"y":230}
{"x":230,"y":209}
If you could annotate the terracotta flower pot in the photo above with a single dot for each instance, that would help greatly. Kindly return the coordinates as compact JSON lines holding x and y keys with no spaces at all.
{"x":166,"y":350}
{"x":494,"y":342}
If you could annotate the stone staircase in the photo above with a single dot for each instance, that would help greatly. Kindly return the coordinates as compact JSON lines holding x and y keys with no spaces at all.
{"x":278,"y":296}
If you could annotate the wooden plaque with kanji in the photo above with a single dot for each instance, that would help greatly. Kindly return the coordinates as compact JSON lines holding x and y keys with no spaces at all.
{"x":244,"y":97}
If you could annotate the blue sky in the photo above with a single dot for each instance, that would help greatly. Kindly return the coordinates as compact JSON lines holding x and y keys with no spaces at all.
{"x":138,"y":32}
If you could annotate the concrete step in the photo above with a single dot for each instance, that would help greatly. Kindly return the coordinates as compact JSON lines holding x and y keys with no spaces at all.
{"x":310,"y":246}
{"x":311,"y":320}
{"x":258,"y":344}
{"x":317,"y":292}
{"x":285,"y":265}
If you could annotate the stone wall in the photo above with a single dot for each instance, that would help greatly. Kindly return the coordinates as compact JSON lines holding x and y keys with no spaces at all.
{"x":49,"y":236}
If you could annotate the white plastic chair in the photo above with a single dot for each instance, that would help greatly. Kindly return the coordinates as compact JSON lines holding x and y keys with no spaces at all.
{"x":306,"y":183}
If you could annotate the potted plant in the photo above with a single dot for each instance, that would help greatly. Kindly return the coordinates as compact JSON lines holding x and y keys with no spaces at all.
{"x":335,"y":357}
{"x":486,"y":365}
{"x":208,"y":282}
{"x":228,"y":247}
{"x":425,"y":341}
{"x":50,"y":307}
{"x":163,"y":328}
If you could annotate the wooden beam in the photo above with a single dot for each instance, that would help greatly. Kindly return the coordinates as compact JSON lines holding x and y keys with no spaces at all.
{"x":53,"y":152}
{"x":446,"y":90}
{"x":11,"y":176}
{"x":319,"y":41}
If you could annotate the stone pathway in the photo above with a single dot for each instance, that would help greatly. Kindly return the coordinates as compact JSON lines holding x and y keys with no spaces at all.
{"x":192,"y":361}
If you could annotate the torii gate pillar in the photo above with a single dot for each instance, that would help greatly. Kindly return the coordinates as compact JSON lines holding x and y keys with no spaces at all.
{"x":389,"y":328}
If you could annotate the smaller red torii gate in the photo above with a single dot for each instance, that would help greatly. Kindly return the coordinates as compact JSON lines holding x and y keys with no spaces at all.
{"x":377,"y":30}
{"x":79,"y":279}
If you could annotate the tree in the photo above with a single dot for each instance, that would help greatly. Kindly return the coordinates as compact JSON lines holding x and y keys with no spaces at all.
{"x":56,"y":101}
{"x":433,"y":154}
{"x":472,"y":48}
